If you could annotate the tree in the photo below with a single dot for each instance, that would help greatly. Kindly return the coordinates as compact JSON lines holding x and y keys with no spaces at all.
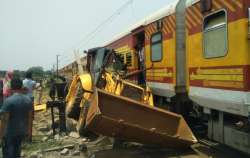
{"x":48,"y":73}
{"x":2,"y":74}
{"x":37,"y":71}
{"x":18,"y":74}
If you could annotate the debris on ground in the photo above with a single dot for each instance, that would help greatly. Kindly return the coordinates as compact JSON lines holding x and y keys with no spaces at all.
{"x":64,"y":152}
{"x":76,"y":153}
{"x":74,"y":135}
{"x":44,"y":139}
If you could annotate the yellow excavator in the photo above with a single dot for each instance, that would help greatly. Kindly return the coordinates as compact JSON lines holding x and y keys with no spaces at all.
{"x":103,"y":101}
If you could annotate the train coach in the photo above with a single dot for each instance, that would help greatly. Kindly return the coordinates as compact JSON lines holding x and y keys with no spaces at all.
{"x":199,"y":55}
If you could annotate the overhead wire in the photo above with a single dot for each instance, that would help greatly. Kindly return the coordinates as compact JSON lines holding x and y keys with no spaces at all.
{"x":133,"y":11}
{"x":69,"y":58}
{"x":91,"y":35}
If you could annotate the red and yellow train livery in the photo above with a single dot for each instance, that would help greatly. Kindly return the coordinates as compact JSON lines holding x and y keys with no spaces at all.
{"x":198,"y":50}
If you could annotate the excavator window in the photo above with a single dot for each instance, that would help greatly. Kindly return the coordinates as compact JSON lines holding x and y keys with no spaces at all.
{"x":97,"y":64}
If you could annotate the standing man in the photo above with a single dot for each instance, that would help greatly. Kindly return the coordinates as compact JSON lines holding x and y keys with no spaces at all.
{"x":141,"y":65}
{"x":18,"y":106}
{"x":40,"y":92}
{"x":29,"y":85}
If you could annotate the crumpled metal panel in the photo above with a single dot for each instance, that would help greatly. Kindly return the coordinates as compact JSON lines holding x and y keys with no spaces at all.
{"x":123,"y":118}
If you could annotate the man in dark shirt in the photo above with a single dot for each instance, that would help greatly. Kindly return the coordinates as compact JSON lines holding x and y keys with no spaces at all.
{"x":18,"y":106}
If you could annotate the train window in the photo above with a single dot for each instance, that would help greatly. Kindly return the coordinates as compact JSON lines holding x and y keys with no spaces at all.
{"x":121,"y":56}
{"x":129,"y":59}
{"x":215,"y":35}
{"x":156,"y":47}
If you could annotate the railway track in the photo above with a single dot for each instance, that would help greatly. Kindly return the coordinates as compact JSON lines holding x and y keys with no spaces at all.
{"x":203,"y":149}
{"x":223,"y":149}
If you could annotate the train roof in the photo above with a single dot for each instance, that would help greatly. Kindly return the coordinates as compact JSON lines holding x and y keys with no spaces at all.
{"x":165,"y":11}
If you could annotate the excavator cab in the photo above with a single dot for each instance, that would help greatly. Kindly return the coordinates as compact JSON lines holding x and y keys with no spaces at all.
{"x":101,"y":59}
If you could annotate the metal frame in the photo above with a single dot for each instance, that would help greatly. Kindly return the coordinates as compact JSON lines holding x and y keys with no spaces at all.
{"x":249,"y":16}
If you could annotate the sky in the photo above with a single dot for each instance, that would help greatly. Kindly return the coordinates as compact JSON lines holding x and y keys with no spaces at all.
{"x":33,"y":32}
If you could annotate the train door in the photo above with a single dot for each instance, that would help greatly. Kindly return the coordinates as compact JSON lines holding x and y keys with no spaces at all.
{"x":140,"y":52}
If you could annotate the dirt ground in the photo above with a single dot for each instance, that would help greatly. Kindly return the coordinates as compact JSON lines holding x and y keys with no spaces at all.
{"x":46,"y":145}
{"x":71,"y":145}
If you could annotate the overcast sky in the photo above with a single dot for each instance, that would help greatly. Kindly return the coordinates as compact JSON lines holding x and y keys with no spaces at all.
{"x":32,"y":32}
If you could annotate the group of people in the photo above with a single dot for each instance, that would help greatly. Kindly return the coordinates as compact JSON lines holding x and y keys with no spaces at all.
{"x":18,"y":104}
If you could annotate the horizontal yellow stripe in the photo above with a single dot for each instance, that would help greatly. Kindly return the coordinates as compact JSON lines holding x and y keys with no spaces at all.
{"x":217,"y":77}
{"x":236,"y":71}
{"x":123,"y":49}
{"x":223,"y":84}
{"x":156,"y":78}
{"x":158,"y":70}
{"x":160,"y":74}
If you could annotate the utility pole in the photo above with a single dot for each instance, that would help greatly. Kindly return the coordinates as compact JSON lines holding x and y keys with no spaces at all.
{"x":78,"y":61}
{"x":57,"y":62}
{"x":53,"y":69}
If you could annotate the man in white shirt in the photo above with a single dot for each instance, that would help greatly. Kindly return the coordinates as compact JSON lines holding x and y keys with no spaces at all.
{"x":29,"y":85}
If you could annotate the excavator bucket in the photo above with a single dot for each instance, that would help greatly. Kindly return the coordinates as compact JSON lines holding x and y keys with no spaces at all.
{"x":130,"y":120}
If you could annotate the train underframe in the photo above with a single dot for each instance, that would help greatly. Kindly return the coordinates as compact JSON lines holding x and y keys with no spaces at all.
{"x":226,"y":128}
